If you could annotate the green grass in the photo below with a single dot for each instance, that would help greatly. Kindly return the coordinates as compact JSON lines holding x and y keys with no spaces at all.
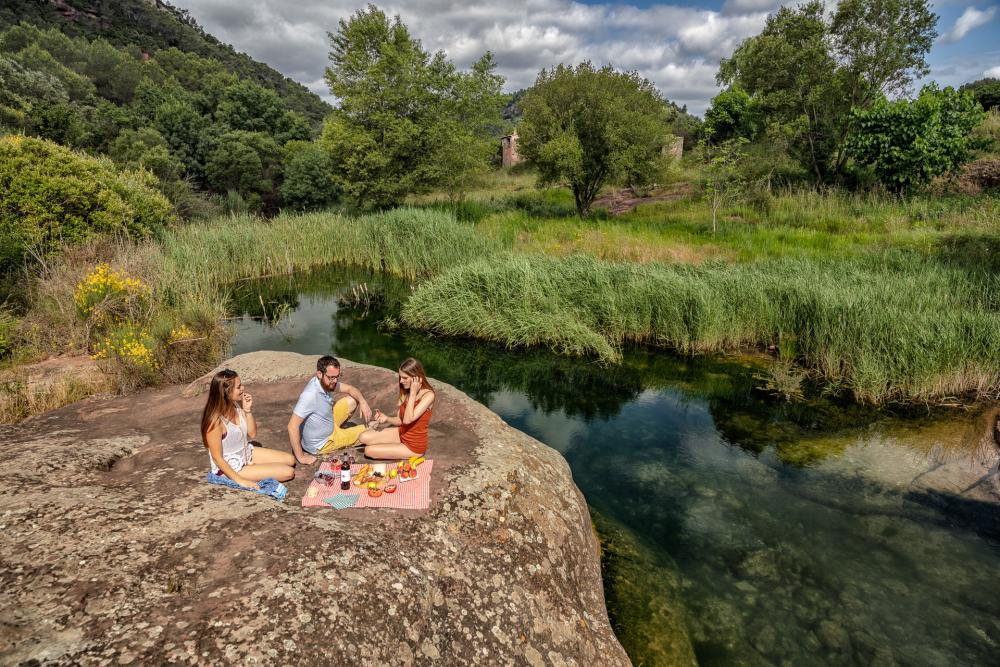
{"x":792,"y":224}
{"x":885,"y":328}
{"x":410,"y":243}
{"x":888,"y":299}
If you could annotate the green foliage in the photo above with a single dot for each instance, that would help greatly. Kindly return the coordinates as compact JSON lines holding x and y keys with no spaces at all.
{"x":8,"y":327}
{"x":731,"y":115}
{"x":50,"y":196}
{"x":247,"y":162}
{"x":588,"y":127}
{"x":146,"y":148}
{"x":907,"y":143}
{"x":407,"y":121}
{"x":808,"y":69}
{"x":986,"y":91}
{"x":155,"y":27}
{"x":83,"y":94}
{"x":250,"y":107}
{"x":309,"y":182}
{"x":723,"y":175}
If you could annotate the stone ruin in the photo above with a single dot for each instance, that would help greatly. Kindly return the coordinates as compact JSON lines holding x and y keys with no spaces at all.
{"x":510,"y":154}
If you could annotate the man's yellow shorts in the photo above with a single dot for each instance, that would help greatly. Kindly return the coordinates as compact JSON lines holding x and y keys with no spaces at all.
{"x":341,"y":437}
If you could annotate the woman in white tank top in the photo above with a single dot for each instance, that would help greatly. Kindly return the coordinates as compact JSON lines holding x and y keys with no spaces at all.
{"x":227,"y":425}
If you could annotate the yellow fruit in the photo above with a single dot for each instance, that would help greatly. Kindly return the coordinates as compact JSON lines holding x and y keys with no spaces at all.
{"x":393,"y":473}
{"x":414,"y":458}
{"x":372,"y":485}
{"x":417,"y":461}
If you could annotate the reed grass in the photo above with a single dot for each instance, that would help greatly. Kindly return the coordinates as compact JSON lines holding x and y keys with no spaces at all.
{"x":407,"y":242}
{"x":892,"y":327}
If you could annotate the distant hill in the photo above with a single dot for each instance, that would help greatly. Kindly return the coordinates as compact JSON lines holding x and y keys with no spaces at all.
{"x":152,"y":25}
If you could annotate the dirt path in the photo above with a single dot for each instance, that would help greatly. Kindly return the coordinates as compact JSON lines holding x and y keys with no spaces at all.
{"x":625,"y":201}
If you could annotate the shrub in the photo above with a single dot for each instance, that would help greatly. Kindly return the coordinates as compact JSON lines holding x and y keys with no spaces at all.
{"x":907,"y":143}
{"x":8,"y":325}
{"x":50,"y":196}
{"x":109,"y":296}
{"x":131,"y":352}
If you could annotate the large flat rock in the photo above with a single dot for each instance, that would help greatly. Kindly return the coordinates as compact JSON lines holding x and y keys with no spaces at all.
{"x":113,"y":550}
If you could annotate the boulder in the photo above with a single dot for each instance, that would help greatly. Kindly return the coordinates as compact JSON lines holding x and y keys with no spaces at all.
{"x":114,"y":550}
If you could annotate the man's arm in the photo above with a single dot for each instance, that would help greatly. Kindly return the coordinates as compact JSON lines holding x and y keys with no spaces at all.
{"x":355,"y":393}
{"x":295,"y":439}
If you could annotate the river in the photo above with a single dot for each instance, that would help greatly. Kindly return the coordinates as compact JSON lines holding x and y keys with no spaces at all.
{"x":808,"y":532}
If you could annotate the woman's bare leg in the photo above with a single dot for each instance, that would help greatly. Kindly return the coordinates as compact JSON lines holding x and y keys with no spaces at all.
{"x":395,"y":450}
{"x":259,"y":471}
{"x":386,"y":436}
{"x":384,"y":444}
{"x":265,"y":455}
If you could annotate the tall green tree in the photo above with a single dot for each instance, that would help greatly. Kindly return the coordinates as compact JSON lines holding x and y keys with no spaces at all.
{"x":406,"y":121}
{"x":588,"y":127}
{"x":808,"y":69}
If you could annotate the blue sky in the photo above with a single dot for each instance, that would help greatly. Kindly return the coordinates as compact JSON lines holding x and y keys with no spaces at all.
{"x":677,"y":45}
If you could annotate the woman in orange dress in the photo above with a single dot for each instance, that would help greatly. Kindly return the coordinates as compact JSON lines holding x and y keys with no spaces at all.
{"x":408,"y":434}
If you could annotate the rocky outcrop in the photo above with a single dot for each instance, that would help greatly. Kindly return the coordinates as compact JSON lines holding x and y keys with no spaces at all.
{"x":114,"y":551}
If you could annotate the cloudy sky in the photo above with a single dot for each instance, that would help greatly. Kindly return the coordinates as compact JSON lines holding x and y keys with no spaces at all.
{"x":677,"y":45}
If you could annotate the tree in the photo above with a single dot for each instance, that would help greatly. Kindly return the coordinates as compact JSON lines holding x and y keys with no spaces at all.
{"x":986,"y":91}
{"x":724,"y":180}
{"x":146,"y":148}
{"x":309,"y":182}
{"x":245,"y":162}
{"x":807,"y":70}
{"x":248,"y":106}
{"x":404,"y":117}
{"x":588,"y":127}
{"x":907,"y":143}
{"x":731,"y":115}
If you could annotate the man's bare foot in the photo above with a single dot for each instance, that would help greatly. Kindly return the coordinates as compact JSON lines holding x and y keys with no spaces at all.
{"x":307,"y":459}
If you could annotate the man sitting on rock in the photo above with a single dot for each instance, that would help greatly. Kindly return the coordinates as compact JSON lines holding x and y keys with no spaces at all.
{"x":315,"y":425}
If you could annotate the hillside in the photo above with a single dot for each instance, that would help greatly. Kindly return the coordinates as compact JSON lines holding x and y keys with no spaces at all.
{"x":153,"y":25}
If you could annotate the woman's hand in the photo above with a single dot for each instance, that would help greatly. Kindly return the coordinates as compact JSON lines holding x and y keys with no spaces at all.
{"x":415,"y":386}
{"x":379,"y":417}
{"x":247,"y":402}
{"x":247,"y":483}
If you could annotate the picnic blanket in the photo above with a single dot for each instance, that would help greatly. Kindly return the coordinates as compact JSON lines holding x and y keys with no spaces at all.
{"x":413,"y":494}
{"x":266,"y":487}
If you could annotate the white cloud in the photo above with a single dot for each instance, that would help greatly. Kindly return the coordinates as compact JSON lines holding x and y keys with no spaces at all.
{"x":750,"y":6}
{"x":677,"y":47}
{"x":992,"y":73}
{"x":970,"y":19}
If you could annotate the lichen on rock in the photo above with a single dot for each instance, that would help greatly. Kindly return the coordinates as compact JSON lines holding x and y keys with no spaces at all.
{"x":113,"y":550}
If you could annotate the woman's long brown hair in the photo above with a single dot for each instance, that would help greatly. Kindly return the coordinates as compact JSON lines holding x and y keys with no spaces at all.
{"x":413,"y":368}
{"x":218,"y":400}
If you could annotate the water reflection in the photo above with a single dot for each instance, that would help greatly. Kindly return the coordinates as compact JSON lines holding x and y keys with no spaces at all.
{"x":816,"y":532}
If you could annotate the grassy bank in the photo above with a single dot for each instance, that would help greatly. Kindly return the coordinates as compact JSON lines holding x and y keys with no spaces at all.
{"x":889,"y":300}
{"x":155,"y":315}
{"x":884,"y":328}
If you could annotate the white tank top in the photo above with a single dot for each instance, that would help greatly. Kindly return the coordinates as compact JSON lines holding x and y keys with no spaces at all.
{"x":235,"y":443}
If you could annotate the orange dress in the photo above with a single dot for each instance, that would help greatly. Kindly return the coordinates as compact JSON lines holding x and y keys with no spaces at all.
{"x":414,"y":435}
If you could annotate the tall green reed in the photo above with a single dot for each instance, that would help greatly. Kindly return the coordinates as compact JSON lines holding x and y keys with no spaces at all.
{"x":889,"y":327}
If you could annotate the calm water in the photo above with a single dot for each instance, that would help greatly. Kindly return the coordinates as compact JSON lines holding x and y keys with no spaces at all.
{"x":793,"y":529}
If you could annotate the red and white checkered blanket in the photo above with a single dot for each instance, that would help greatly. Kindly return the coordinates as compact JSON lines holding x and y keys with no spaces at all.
{"x":412,"y":494}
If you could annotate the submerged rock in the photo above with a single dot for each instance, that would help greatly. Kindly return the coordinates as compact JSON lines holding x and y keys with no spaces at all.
{"x":114,"y":551}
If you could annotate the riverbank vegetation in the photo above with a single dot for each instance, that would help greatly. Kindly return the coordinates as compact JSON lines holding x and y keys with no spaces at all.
{"x":861,"y":275}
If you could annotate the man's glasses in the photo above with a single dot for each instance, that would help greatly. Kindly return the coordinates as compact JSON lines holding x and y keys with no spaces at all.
{"x":332,"y":378}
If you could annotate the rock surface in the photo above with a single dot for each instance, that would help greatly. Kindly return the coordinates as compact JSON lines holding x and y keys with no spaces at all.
{"x":115,"y":551}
